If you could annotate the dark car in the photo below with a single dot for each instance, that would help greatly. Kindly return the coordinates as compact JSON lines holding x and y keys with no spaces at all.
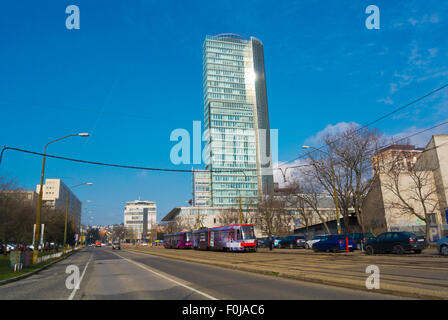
{"x":275,"y":242}
{"x":292,"y":242}
{"x":442,"y":246}
{"x":334,"y":243}
{"x":361,"y":239}
{"x":396,"y":242}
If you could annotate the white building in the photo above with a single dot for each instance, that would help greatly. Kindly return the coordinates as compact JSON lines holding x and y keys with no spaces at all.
{"x":135,"y":214}
{"x":201,"y":188}
{"x":54,"y":195}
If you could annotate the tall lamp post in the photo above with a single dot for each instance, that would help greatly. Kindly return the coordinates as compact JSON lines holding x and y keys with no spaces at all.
{"x":66,"y":212}
{"x":334,"y":187}
{"x":39,"y":202}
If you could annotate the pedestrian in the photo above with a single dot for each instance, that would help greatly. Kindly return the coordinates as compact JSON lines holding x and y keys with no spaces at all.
{"x":270,"y":243}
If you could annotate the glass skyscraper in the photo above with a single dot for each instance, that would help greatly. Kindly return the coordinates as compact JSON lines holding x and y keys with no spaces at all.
{"x":236,"y":120}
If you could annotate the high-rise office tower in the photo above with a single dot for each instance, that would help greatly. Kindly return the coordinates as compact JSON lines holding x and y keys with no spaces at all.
{"x":236,"y":120}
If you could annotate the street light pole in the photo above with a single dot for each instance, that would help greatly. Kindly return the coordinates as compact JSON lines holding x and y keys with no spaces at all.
{"x":334,"y":187}
{"x":39,"y":202}
{"x":66,"y":212}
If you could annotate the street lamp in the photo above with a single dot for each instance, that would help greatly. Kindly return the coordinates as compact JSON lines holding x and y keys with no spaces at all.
{"x":39,"y":202}
{"x":66,"y":212}
{"x":334,"y":187}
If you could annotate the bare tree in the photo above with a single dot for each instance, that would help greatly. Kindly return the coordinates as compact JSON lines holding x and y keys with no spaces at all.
{"x":414,"y":192}
{"x":307,"y":195}
{"x":229,"y":216}
{"x":119,"y":233}
{"x":272,"y":216}
{"x":346,"y":167}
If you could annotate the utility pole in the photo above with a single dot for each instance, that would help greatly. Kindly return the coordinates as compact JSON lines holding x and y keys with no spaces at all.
{"x":39,"y":202}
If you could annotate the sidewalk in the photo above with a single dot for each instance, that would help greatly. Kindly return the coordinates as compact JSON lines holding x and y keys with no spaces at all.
{"x":410,"y":275}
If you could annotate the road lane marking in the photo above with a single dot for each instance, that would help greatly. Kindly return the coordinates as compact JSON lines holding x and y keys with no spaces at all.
{"x":167,"y":278}
{"x":72,"y":295}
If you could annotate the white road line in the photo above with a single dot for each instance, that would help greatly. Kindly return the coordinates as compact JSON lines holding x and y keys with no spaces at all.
{"x":166,"y":278}
{"x":72,"y":295}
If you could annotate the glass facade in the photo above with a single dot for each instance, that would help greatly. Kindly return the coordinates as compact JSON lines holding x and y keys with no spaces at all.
{"x":235,"y":108}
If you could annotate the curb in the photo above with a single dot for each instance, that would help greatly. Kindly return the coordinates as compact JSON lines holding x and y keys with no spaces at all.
{"x":302,"y":278}
{"x":26,"y":275}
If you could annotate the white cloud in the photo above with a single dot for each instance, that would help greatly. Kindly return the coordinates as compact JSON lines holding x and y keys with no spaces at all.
{"x":388,"y":100}
{"x":330,"y":130}
{"x":419,"y":139}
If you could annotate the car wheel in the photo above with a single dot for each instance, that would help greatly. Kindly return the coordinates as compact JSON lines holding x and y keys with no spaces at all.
{"x":307,"y":246}
{"x":334,"y":249}
{"x":369,"y":250}
{"x":418,"y":251}
{"x":444,"y":250}
{"x":398,"y":249}
{"x":315,"y":249}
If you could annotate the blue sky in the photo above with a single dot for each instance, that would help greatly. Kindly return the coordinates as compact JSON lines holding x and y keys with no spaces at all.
{"x":133,"y":73}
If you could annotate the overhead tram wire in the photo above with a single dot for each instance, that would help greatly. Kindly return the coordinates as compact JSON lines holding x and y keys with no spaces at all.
{"x":117,"y":165}
{"x":372,"y":151}
{"x":192,"y":171}
{"x":378,"y":119}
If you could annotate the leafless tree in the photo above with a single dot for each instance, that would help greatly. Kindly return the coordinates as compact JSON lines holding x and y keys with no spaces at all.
{"x":348,"y":156}
{"x":272,"y":216}
{"x":306,"y":194}
{"x":119,"y":233}
{"x":414,"y":190}
{"x":229,"y":216}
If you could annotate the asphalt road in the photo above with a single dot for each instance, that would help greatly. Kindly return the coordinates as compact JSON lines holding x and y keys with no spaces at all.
{"x":120,"y":274}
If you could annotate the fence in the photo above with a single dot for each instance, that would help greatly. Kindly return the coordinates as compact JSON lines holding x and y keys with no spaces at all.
{"x":22,"y":259}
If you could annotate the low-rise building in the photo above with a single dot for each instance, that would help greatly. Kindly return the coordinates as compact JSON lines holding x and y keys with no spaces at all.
{"x":410,"y":188}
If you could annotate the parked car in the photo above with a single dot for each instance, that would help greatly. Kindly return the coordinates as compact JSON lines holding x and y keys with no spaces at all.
{"x":361,"y":238}
{"x":275,"y":240}
{"x":334,"y":243}
{"x":309,"y":243}
{"x":442,"y":246}
{"x":396,"y":242}
{"x":260,"y":242}
{"x":116,"y":245}
{"x":31,"y":247}
{"x":10,"y":247}
{"x":292,"y":242}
